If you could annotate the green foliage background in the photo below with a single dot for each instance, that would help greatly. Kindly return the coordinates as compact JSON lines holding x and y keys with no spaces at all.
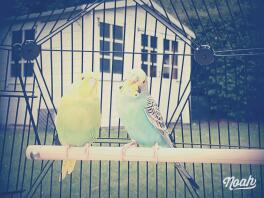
{"x":231,"y":88}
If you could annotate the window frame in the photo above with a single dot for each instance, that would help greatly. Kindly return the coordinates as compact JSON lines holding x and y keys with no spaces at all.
{"x":151,"y":54}
{"x":171,"y":53}
{"x":113,"y":42}
{"x":21,"y":61}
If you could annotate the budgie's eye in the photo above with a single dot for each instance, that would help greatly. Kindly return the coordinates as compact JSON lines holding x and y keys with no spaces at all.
{"x":144,"y":81}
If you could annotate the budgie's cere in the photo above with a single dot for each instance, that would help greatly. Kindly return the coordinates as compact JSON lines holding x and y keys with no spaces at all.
{"x":78,"y":117}
{"x":141,"y":116}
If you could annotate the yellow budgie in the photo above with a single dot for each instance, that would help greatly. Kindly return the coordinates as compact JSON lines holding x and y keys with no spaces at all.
{"x":78,"y":117}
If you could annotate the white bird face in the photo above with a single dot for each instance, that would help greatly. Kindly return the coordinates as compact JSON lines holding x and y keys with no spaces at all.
{"x":136,"y":83}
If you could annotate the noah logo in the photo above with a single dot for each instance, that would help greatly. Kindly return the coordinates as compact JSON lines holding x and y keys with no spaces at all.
{"x":236,"y":184}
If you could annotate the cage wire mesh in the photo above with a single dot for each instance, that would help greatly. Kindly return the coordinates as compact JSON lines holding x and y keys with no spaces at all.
{"x":112,"y":37}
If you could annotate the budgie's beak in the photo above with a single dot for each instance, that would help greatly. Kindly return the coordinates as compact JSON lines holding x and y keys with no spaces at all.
{"x":135,"y":84}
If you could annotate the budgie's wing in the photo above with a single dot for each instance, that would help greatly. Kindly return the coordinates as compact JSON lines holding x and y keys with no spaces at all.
{"x":154,"y":115}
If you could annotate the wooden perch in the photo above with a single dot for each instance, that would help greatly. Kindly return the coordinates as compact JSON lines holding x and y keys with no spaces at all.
{"x":189,"y":155}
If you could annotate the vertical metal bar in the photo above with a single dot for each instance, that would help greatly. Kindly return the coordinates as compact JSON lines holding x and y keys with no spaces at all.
{"x":109,"y":177}
{"x":229,"y":143}
{"x":101,"y":102}
{"x":157,"y":181}
{"x":175,"y":183}
{"x":80,"y":180}
{"x":191,"y":132}
{"x":60,"y":191}
{"x":112,"y":73}
{"x":183,"y":141}
{"x":72,"y":68}
{"x":138,"y":180}
{"x":211,"y":165}
{"x":82,"y":35}
{"x":221,"y":166}
{"x":151,"y":66}
{"x":51,"y":180}
{"x":147,"y":188}
{"x":45,"y":138}
{"x":166,"y":179}
{"x":128,"y":183}
{"x":162,"y":67}
{"x":90,"y":167}
{"x":90,"y":179}
{"x":70,"y":193}
{"x":118,"y":178}
{"x":134,"y":39}
{"x":260,"y":167}
{"x":51,"y":71}
{"x":202,"y":165}
{"x":61,"y":62}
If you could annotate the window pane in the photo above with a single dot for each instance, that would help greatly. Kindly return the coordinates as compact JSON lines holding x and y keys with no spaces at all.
{"x":145,"y":68}
{"x":144,"y":55}
{"x":166,"y":44}
{"x":29,"y":34}
{"x":144,"y":40}
{"x":153,"y":41}
{"x":175,"y":59}
{"x":166,"y":72}
{"x":175,"y":73}
{"x":15,"y":70}
{"x":175,"y":46}
{"x":104,"y":30}
{"x":153,"y":56}
{"x":105,"y":46}
{"x":153,"y":71}
{"x":16,"y":37}
{"x":166,"y":59}
{"x":28,"y":69}
{"x":118,"y":47}
{"x":118,"y":32}
{"x":117,"y":66}
{"x":105,"y":65}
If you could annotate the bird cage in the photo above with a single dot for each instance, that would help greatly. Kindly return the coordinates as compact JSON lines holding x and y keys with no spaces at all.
{"x":181,"y":46}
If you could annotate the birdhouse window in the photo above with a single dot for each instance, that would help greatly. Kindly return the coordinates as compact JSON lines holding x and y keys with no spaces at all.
{"x":18,"y":65}
{"x":170,"y":59}
{"x":104,"y":30}
{"x":28,"y":69}
{"x":118,"y":32}
{"x":15,"y":69}
{"x":111,"y":48}
{"x":149,"y":46}
{"x":17,"y":37}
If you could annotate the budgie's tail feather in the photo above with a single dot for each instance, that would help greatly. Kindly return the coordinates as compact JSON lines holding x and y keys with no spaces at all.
{"x":67,"y":168}
{"x":186,"y":175}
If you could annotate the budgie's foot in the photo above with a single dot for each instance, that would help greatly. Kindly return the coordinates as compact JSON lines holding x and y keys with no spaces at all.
{"x":127,"y":146}
{"x":87,"y":150}
{"x":155,"y":150}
